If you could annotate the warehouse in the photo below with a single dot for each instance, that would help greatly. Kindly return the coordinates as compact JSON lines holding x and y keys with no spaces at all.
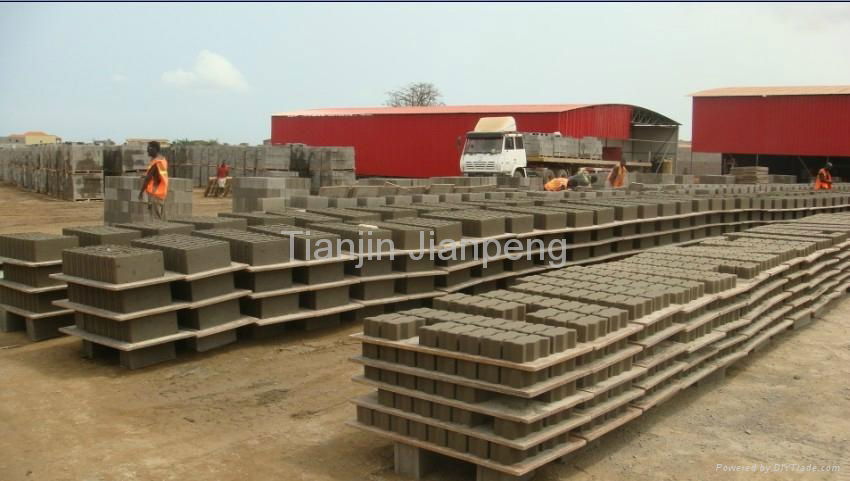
{"x":427,"y":141}
{"x":792,"y":130}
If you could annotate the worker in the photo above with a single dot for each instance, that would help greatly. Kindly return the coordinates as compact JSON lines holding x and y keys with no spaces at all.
{"x":581,"y":179}
{"x":155,"y":183}
{"x":823,"y":181}
{"x":556,"y":185}
{"x":617,"y":177}
{"x":221,"y":175}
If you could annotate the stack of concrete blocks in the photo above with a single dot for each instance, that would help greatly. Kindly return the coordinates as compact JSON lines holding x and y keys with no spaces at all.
{"x":653,"y":178}
{"x":122,"y":205}
{"x":258,"y":218}
{"x":125,"y":159}
{"x":80,"y":172}
{"x":269,"y":277}
{"x":153,"y":228}
{"x":95,"y":235}
{"x":261,"y":194}
{"x":319,"y":292}
{"x":539,"y":144}
{"x":521,"y":183}
{"x":27,"y":290}
{"x":750,"y":175}
{"x":716,"y":179}
{"x":512,"y":379}
{"x":122,"y":303}
{"x":64,"y":171}
{"x":330,"y":166}
{"x":590,"y":148}
{"x":212,"y":312}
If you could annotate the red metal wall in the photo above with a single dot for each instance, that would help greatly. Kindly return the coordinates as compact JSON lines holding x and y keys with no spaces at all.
{"x":428,"y":145}
{"x":781,"y":125}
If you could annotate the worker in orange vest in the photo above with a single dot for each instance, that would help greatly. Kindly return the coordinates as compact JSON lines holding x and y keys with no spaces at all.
{"x":823,"y":181}
{"x":617,"y":177}
{"x":155,"y":183}
{"x":581,"y":179}
{"x":557,"y":184}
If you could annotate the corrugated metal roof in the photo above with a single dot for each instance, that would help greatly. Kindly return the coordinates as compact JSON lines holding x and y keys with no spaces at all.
{"x":441,"y":109}
{"x":774,"y":91}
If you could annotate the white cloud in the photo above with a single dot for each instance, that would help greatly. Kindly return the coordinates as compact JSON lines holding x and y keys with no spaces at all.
{"x":117,"y":77}
{"x":211,"y":72}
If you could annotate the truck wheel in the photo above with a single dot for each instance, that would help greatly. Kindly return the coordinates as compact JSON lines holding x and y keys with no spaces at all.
{"x":563,"y":173}
{"x":519,"y":173}
{"x":548,"y":175}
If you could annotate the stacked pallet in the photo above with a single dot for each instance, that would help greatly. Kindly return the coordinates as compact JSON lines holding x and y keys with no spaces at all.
{"x":289,"y":285}
{"x":122,"y":303}
{"x":750,"y":175}
{"x":122,"y":205}
{"x":328,"y":166}
{"x":212,"y":310}
{"x":251,"y":194}
{"x":27,"y":291}
{"x":64,"y":171}
{"x":513,"y":379}
{"x":95,"y":235}
{"x":126,"y":160}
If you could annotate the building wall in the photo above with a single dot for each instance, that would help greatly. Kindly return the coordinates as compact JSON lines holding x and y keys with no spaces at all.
{"x":36,"y":139}
{"x":697,"y":163}
{"x":658,"y":143}
{"x":430,"y":145}
{"x":782,"y":125}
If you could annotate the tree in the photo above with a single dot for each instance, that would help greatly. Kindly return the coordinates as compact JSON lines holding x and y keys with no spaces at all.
{"x":418,"y":94}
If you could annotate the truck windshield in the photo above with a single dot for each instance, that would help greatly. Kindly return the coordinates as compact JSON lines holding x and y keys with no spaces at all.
{"x":483,"y":145}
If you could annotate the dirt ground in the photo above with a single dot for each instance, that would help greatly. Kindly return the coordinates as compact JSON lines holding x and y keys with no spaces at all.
{"x":275,"y":409}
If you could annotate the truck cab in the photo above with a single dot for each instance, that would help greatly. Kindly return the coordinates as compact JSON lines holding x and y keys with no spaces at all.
{"x":494,"y":147}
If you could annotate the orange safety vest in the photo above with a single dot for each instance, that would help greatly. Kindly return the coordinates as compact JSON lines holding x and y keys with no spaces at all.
{"x":620,"y":179}
{"x":823,"y":181}
{"x":557,"y":184}
{"x":158,"y":190}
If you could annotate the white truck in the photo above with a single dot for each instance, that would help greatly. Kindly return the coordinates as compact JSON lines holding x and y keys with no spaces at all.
{"x":495,"y":147}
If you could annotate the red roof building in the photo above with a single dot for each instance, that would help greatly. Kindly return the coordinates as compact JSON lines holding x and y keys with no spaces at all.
{"x":427,"y":141}
{"x":784,"y":128}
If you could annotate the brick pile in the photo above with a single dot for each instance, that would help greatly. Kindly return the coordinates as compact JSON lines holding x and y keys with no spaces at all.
{"x":122,"y":303}
{"x":513,"y":379}
{"x":212,"y":311}
{"x":27,"y":290}
{"x":121,"y":202}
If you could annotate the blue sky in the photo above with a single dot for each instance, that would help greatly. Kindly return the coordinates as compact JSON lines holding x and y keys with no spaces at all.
{"x":85,"y":71}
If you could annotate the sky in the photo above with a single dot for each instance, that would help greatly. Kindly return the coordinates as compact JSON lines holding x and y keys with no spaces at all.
{"x":219,"y":71}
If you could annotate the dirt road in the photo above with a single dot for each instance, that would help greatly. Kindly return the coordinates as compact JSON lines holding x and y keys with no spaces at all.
{"x":275,"y":409}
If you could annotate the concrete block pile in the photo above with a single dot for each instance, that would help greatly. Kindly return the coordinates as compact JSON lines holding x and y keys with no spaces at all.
{"x":122,"y":205}
{"x":64,"y":171}
{"x":750,"y":175}
{"x":251,"y":194}
{"x":139,"y":302}
{"x":122,"y":303}
{"x":208,"y":288}
{"x":512,"y":379}
{"x":288,"y":284}
{"x":27,"y":290}
{"x":315,"y":166}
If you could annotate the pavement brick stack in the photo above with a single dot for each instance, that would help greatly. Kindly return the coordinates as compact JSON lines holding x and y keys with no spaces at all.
{"x":512,"y":379}
{"x":27,"y":290}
